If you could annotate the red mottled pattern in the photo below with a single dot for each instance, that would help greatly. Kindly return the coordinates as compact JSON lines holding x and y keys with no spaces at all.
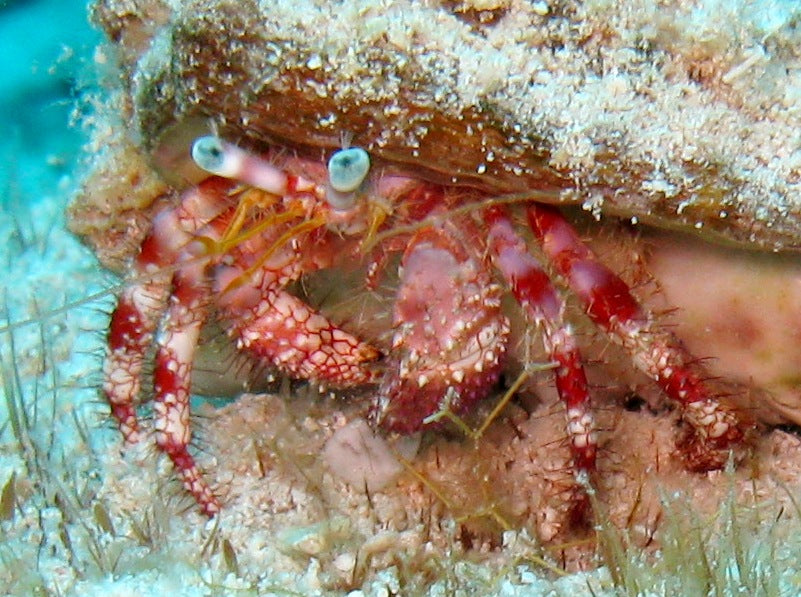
{"x":533,"y":289}
{"x":450,"y":336}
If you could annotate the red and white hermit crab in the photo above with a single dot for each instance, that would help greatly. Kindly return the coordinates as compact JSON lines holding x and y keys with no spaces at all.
{"x":235,"y":246}
{"x":454,"y":114}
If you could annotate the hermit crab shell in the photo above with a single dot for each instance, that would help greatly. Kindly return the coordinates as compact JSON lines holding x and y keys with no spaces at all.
{"x":626,"y":108}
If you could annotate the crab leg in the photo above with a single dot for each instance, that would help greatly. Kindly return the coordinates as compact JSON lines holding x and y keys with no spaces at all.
{"x":610,"y":304}
{"x":188,"y":310}
{"x":259,"y":262}
{"x":139,"y":308}
{"x":131,"y":328}
{"x":535,"y":293}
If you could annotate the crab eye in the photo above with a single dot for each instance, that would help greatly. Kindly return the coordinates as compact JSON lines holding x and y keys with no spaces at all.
{"x":210,"y":154}
{"x":348,"y":168}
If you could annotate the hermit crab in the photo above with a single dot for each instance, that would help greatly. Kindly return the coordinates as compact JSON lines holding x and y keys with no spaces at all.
{"x":456,"y":134}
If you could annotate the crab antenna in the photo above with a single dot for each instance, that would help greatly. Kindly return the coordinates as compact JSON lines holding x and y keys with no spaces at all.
{"x":221,"y":158}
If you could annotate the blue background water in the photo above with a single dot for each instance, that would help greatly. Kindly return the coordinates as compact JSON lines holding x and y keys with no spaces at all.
{"x":47,"y":48}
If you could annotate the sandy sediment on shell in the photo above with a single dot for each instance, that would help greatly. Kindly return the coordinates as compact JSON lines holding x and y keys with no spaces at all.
{"x":117,"y":199}
{"x":645,"y":110}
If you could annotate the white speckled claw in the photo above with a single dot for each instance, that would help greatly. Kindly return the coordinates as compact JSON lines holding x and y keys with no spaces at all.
{"x":450,"y":335}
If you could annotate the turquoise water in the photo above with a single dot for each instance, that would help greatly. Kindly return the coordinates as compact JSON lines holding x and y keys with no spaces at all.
{"x":47,"y":47}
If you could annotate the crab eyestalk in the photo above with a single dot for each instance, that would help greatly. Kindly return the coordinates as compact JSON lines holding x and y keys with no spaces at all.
{"x":347,"y":170}
{"x":224,"y":159}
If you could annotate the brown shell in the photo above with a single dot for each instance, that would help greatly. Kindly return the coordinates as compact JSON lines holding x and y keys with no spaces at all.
{"x":623,"y":111}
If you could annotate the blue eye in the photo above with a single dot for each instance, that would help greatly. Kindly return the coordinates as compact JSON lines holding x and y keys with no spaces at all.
{"x":348,"y":168}
{"x":209,"y":154}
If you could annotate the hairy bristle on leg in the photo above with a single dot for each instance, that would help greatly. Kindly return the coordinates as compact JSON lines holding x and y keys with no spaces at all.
{"x":609,"y":303}
{"x":541,"y":301}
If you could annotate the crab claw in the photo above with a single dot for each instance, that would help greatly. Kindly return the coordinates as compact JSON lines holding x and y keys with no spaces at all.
{"x":450,"y":336}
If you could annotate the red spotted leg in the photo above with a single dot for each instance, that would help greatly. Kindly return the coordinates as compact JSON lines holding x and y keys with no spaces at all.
{"x":189,"y":306}
{"x":610,"y":304}
{"x":541,"y":301}
{"x":141,"y":303}
{"x":131,"y":328}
